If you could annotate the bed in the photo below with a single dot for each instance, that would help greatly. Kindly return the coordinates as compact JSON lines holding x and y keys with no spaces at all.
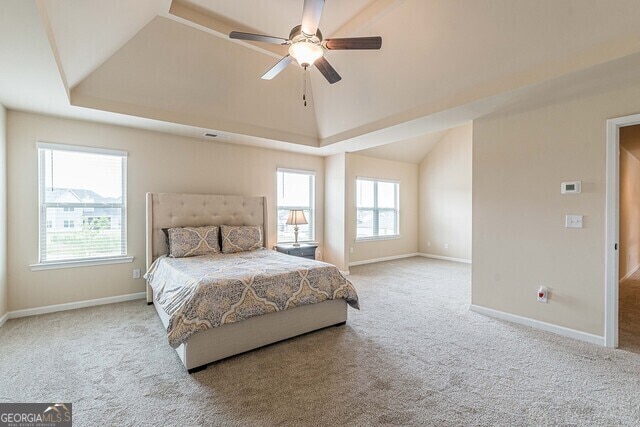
{"x":204,"y":338}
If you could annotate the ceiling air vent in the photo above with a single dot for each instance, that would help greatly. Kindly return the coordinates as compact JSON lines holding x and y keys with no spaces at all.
{"x":215,"y":135}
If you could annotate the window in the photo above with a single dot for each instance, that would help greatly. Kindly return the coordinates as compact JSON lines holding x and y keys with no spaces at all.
{"x":377,"y":208}
{"x":83,"y":193}
{"x":296,"y":190}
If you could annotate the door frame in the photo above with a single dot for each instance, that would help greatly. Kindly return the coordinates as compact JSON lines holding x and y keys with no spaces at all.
{"x":612,"y":221}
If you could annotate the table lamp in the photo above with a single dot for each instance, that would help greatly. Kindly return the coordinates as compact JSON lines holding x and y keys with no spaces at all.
{"x":296,"y":217}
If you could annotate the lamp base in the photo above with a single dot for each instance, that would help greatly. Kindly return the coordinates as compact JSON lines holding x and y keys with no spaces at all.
{"x":295,"y":232}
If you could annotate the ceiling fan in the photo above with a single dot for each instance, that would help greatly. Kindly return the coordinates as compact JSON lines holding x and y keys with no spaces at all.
{"x":307,"y":46}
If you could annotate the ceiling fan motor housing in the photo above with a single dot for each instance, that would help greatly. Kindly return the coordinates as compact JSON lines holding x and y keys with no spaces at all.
{"x":296,"y":35}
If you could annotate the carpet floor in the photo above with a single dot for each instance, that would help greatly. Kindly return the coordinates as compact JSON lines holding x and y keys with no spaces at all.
{"x":629,"y":314}
{"x":414,"y":355}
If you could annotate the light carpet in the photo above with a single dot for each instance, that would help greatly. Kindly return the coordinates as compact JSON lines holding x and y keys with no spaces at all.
{"x":414,"y":355}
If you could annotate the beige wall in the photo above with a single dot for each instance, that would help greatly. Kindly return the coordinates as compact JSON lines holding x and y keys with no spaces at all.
{"x":157,"y":163}
{"x":335,"y":199}
{"x":520,"y":157}
{"x":445,"y":196}
{"x":407,"y":174}
{"x":3,"y":212}
{"x":629,"y":211}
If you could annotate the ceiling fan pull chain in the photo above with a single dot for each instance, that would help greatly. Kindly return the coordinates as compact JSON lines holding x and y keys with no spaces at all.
{"x":304,"y":86}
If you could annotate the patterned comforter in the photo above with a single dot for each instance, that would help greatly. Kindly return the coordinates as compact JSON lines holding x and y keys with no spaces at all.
{"x":203,"y":292}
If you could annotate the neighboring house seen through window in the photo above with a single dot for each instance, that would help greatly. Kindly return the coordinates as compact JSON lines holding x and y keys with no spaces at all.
{"x":296,"y":190}
{"x":82,"y":203}
{"x":377,"y":208}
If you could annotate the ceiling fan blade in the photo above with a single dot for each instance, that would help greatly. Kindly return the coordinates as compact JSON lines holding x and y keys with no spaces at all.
{"x":276,"y":69}
{"x":238,"y":35}
{"x":327,"y":70}
{"x":311,"y":13}
{"x":354,"y":43}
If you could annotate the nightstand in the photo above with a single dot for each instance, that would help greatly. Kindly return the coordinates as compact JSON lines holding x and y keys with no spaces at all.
{"x":305,"y":250}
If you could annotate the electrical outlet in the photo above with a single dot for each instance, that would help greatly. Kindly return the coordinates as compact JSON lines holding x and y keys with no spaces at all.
{"x":446,"y":246}
{"x":350,"y":250}
{"x":429,"y":244}
{"x":136,"y":273}
{"x":543,"y":294}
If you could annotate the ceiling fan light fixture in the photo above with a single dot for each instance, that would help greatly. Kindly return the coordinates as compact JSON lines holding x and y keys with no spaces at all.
{"x":306,"y":52}
{"x":307,"y":46}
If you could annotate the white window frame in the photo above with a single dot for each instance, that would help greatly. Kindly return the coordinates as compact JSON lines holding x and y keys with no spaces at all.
{"x":44,"y":264}
{"x":376,"y":210}
{"x":312,"y":207}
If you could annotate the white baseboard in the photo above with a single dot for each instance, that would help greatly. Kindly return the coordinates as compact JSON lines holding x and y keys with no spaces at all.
{"x":445,"y":258}
{"x":387,"y":258}
{"x":629,"y":274}
{"x":71,"y":306}
{"x":560,"y":330}
{"x":4,"y":318}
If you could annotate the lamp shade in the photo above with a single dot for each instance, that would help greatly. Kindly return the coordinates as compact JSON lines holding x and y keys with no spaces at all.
{"x":296,"y":217}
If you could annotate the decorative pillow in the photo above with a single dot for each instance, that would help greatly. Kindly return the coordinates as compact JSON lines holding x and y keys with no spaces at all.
{"x":240,"y":238}
{"x":192,"y":241}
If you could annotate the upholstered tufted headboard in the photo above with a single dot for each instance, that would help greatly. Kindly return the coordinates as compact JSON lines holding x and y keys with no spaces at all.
{"x":166,"y":210}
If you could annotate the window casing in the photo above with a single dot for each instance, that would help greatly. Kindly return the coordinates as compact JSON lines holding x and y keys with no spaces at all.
{"x":295,"y":190}
{"x":82,"y":200}
{"x":377,"y":209}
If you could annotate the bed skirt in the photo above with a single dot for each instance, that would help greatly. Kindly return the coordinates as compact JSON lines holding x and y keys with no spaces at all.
{"x":231,"y":339}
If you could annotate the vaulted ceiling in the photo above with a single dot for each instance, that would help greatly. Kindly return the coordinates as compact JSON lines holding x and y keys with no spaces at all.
{"x":169,"y":64}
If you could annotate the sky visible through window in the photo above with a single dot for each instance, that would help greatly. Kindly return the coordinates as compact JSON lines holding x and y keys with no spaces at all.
{"x":293,"y":189}
{"x":87,"y":171}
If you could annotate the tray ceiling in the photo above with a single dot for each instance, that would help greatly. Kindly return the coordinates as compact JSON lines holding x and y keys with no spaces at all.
{"x":442,"y":63}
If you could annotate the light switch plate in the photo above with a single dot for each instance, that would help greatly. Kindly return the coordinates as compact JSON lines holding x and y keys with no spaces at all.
{"x":573,"y":221}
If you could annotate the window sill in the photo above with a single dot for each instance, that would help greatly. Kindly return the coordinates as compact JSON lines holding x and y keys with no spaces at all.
{"x":375,"y":238}
{"x":54,"y":265}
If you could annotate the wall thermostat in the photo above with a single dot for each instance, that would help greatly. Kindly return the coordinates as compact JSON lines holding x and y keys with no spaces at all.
{"x":571,"y":187}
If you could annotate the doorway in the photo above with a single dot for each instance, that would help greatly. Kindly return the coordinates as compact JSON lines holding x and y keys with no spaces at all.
{"x":629,"y":240}
{"x":622,"y":232}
